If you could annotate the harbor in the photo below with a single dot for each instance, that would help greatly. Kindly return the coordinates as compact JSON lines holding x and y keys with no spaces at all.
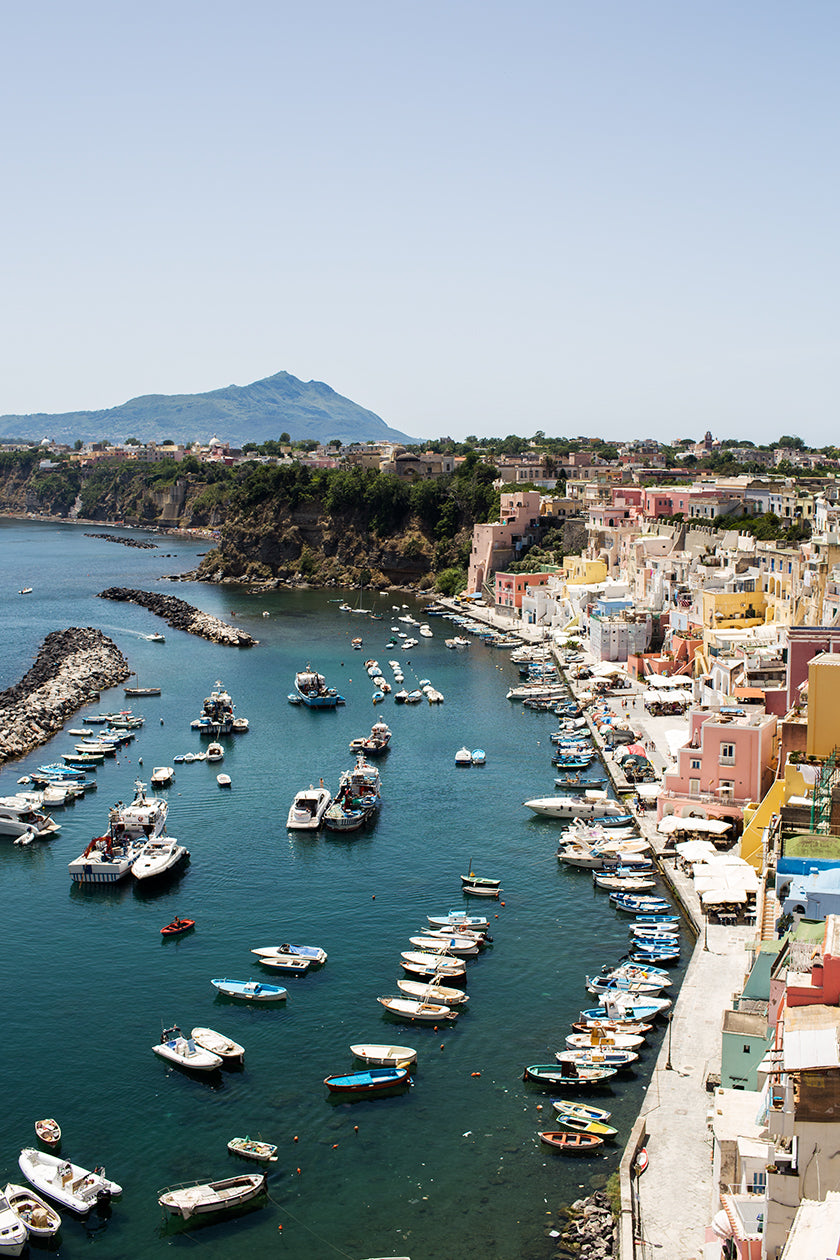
{"x":360,"y":898}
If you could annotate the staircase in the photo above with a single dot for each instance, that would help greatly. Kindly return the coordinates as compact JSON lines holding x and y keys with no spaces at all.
{"x":821,"y":799}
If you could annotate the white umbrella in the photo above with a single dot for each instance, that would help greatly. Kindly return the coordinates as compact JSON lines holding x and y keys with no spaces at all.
{"x":695,"y":850}
{"x":723,"y":897}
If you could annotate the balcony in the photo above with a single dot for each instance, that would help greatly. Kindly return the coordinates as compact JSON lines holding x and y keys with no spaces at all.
{"x":726,"y":760}
{"x":710,"y":798}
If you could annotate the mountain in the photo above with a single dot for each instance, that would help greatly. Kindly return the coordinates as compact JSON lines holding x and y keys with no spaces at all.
{"x":236,"y":414}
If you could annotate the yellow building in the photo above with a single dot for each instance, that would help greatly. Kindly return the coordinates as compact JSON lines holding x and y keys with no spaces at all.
{"x":582,"y":572}
{"x":823,"y":704}
{"x":732,"y":610}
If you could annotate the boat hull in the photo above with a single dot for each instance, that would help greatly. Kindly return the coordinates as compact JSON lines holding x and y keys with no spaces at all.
{"x":202,"y":1198}
{"x":368,"y":1082}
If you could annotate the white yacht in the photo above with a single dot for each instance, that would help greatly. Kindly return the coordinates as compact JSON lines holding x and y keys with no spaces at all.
{"x":591,"y":805}
{"x":144,"y":817}
{"x":308,"y":808}
{"x":18,"y":818}
{"x":157,"y":856}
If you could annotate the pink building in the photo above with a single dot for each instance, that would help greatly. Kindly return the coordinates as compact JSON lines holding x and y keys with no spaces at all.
{"x":510,"y":587}
{"x":822,"y":986}
{"x":727,"y":762}
{"x":495,"y":545}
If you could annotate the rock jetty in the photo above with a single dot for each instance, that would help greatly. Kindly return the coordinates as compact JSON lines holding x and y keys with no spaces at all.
{"x":71,"y":668}
{"x":182,"y":616}
{"x":126,"y":542}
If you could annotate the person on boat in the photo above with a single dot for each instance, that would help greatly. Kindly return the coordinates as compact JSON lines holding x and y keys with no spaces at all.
{"x":571,"y":1069}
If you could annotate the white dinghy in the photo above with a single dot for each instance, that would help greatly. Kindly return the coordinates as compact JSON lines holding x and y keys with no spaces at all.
{"x":74,"y":1187}
{"x":185,"y":1052}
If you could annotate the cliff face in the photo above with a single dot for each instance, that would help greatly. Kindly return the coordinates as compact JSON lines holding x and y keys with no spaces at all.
{"x":310,"y":544}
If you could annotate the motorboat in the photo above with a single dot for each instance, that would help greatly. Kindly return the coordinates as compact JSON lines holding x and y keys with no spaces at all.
{"x":369,"y":1081}
{"x":199,"y":1198}
{"x":568,"y":1074}
{"x":184,"y":1052}
{"x":143,"y":816}
{"x":249,"y":1148}
{"x":106,"y":859}
{"x":341,"y":817}
{"x":604,"y":1041}
{"x":312,"y":690}
{"x":13,"y":1232}
{"x":215,"y":752}
{"x":590,"y":805}
{"x":251,"y":990}
{"x":42,"y":1222}
{"x":415,"y":1009}
{"x":597,"y":1056}
{"x":384,"y":1056}
{"x":223,"y":780}
{"x":375,"y":744}
{"x":155,"y":638}
{"x":432,"y":992}
{"x":313,"y":953}
{"x":161,"y":776}
{"x":68,"y":1184}
{"x":18,"y":818}
{"x":228,"y":1050}
{"x":463,"y":757}
{"x":307,"y":810}
{"x":158,"y":856}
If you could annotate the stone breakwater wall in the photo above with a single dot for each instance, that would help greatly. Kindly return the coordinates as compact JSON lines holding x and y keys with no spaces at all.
{"x":71,"y":668}
{"x":126,"y":542}
{"x":182,"y":616}
{"x":589,"y":1232}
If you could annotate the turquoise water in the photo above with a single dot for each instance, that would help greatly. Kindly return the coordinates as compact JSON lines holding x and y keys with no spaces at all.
{"x":452,"y":1167}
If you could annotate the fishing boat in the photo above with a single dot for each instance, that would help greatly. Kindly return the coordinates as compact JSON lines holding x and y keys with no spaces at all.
{"x":177,"y":926}
{"x":581,"y":1111}
{"x":602,"y":1040}
{"x":480,"y":881}
{"x":106,"y":859}
{"x":596,"y":985}
{"x":307,"y":810}
{"x":425,"y":963}
{"x":369,"y":1081}
{"x":432,"y":992}
{"x":76,"y":1188}
{"x":248,"y":1148}
{"x":455,"y":920}
{"x":141,"y":691}
{"x":384,"y":1056}
{"x":597,"y":1056}
{"x":48,"y":1131}
{"x":341,"y":817}
{"x":379,"y":740}
{"x":576,"y":783}
{"x":416,"y":1009}
{"x":314,"y":953}
{"x":251,"y":990}
{"x":568,"y":1074}
{"x":571,"y":1143}
{"x":13,"y":1232}
{"x":185,"y":1052}
{"x":228,"y":1050}
{"x":312,"y":690}
{"x":157,"y":857}
{"x":42,"y":1222}
{"x":199,"y":1198}
{"x":289,"y":964}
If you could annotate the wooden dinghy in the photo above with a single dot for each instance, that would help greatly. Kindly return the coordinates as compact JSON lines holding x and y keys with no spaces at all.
{"x":571,"y":1143}
{"x":568,"y":1074}
{"x":41,"y":1220}
{"x":412,"y":1009}
{"x":229,"y":1051}
{"x":368,"y":1082}
{"x":443,"y":993}
{"x":48,"y":1131}
{"x":581,"y":1111}
{"x":384,"y":1056}
{"x":248,"y":1148}
{"x":577,"y":1125}
{"x":177,"y":926}
{"x":199,"y":1198}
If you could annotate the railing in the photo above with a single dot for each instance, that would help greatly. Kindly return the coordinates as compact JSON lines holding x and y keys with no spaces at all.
{"x":709,"y":798}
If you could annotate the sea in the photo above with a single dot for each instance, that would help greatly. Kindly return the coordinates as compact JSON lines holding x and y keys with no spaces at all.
{"x":453,"y":1166}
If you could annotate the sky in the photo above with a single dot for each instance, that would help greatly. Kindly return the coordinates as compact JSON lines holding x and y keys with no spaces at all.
{"x":609,"y":219}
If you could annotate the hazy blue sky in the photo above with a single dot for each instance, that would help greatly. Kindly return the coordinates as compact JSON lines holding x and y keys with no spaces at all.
{"x":607,"y":217}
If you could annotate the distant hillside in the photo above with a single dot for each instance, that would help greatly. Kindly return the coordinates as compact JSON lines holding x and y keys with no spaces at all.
{"x":237,"y":414}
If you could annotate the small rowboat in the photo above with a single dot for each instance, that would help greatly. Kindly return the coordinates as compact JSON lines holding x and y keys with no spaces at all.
{"x":40,"y":1219}
{"x":48,"y":1131}
{"x":576,"y":1125}
{"x":640,"y":1163}
{"x":479,"y":888}
{"x":251,"y":990}
{"x":385,"y":1056}
{"x":249,"y":1149}
{"x":479,"y":882}
{"x":432,"y":992}
{"x":411,"y":1009}
{"x":228,"y":1050}
{"x":199,"y":1198}
{"x":571,"y":1143}
{"x":581,"y":1111}
{"x":368,"y":1082}
{"x":288,"y":963}
{"x":177,"y":926}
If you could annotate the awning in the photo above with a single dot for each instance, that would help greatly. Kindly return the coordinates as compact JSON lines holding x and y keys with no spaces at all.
{"x":748,"y":693}
{"x":723,"y":897}
{"x":671,"y":823}
{"x":695,"y":850}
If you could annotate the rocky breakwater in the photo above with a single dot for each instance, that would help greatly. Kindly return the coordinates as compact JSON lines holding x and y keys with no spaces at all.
{"x":180,"y":615}
{"x":71,"y":668}
{"x":589,"y":1231}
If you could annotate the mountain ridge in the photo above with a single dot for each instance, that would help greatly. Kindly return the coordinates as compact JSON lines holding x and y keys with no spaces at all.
{"x":258,"y":412}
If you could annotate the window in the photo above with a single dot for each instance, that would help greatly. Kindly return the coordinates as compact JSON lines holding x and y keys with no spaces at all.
{"x":727,"y":754}
{"x":695,"y":765}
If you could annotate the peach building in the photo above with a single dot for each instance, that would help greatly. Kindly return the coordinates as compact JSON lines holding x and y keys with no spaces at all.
{"x":495,"y":545}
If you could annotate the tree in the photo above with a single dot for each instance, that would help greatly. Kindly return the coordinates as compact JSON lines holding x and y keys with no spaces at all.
{"x":133,"y":442}
{"x":335,"y":443}
{"x":285,"y":439}
{"x":796,"y":443}
{"x":78,"y":444}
